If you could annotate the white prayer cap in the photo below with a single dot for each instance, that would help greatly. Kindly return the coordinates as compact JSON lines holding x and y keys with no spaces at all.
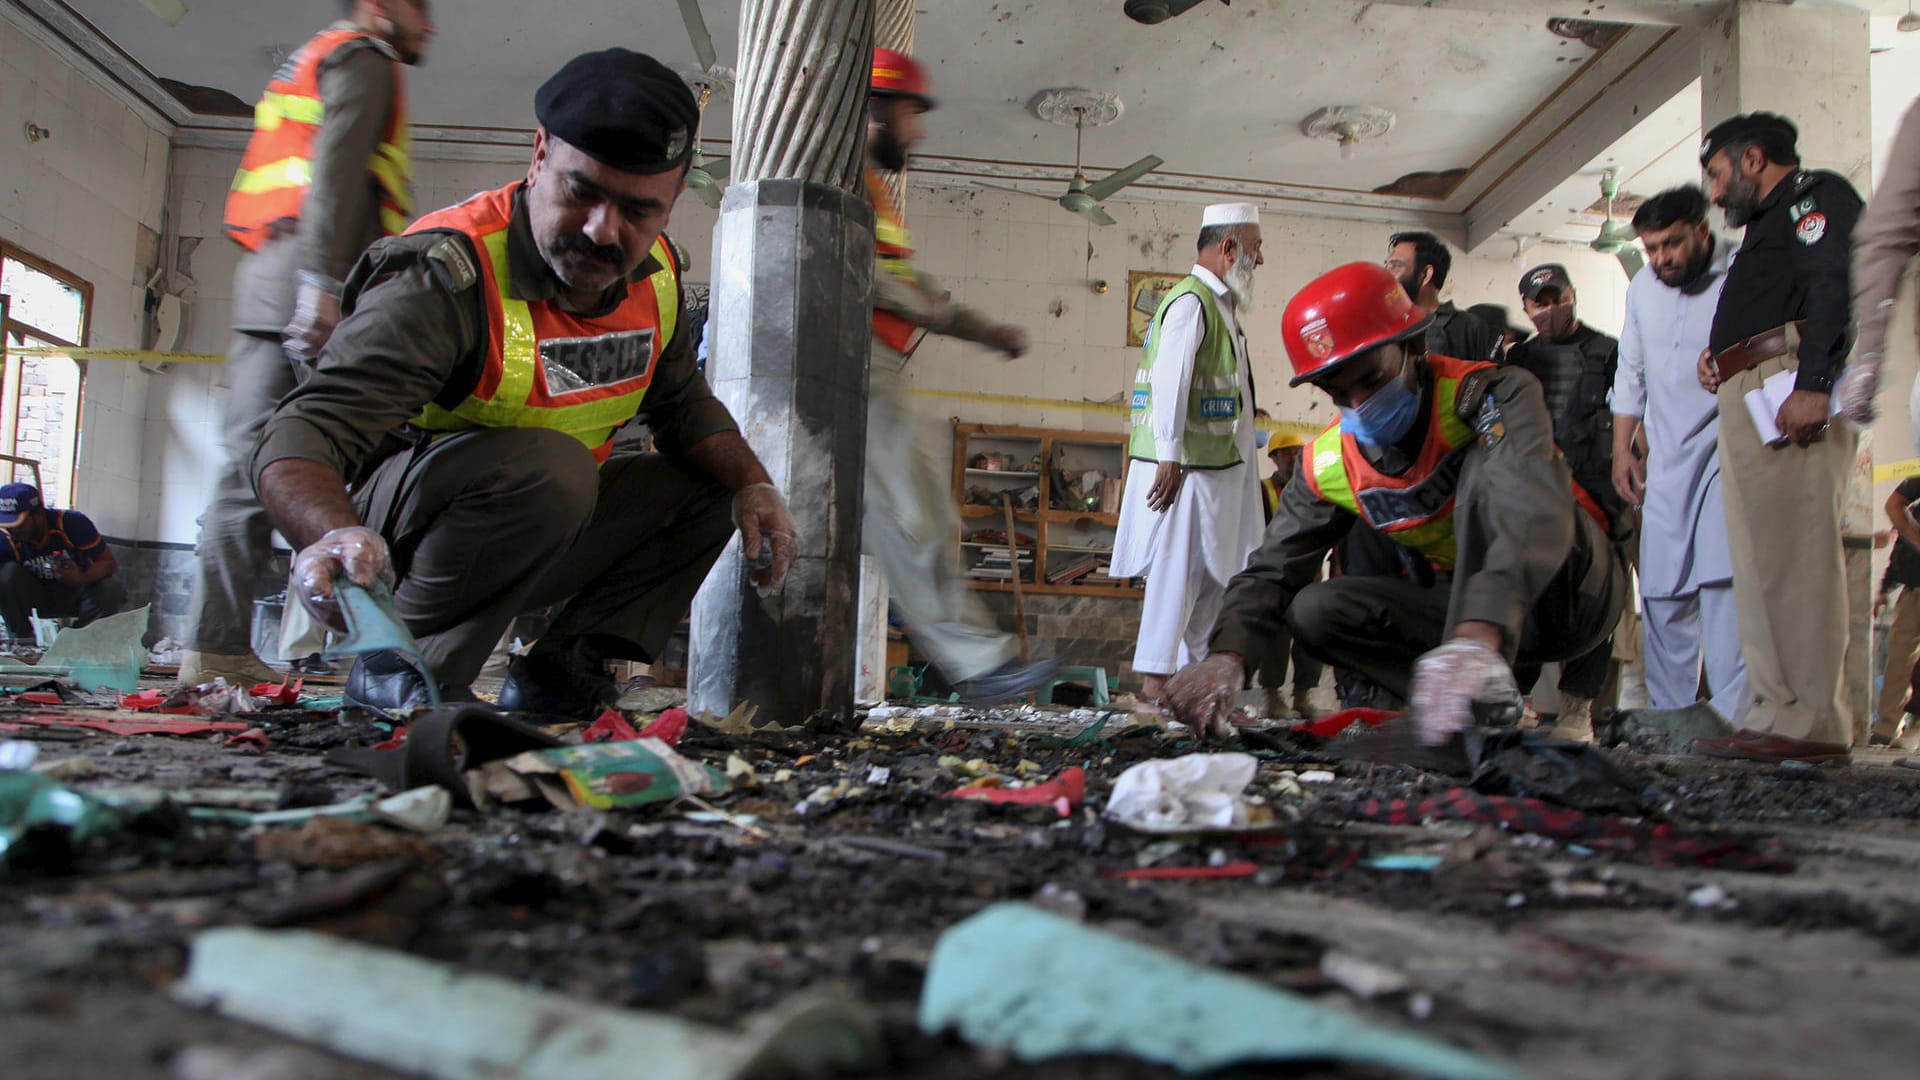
{"x":1230,"y":213}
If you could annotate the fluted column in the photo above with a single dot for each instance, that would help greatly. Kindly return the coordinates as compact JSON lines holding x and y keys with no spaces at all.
{"x":789,"y":333}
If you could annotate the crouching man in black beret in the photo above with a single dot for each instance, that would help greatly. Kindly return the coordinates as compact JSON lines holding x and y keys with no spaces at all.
{"x":470,"y":396}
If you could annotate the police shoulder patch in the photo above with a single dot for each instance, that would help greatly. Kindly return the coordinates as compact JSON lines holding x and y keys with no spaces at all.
{"x":1467,"y":401}
{"x":451,"y":255}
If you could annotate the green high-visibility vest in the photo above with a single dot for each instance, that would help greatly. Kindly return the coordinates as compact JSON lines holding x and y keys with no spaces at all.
{"x":1213,"y":396}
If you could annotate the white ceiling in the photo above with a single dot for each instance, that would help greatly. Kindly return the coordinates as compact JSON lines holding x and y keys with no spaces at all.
{"x":1219,"y":92}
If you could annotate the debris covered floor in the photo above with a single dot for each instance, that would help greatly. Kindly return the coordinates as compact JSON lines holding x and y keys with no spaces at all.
{"x":1771,"y":928}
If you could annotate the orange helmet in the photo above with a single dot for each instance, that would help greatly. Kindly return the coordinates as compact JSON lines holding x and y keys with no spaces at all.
{"x":895,"y":74}
{"x":1342,"y":314}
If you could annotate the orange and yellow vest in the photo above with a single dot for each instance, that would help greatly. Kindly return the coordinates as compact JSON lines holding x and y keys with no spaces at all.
{"x":893,"y":251}
{"x":1270,"y":495}
{"x":545,"y":367}
{"x":277,"y":168}
{"x":1414,"y":509}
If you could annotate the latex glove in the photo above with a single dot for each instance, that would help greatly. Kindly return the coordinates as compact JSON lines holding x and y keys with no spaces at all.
{"x":1448,"y":680}
{"x":1857,"y":387}
{"x":355,"y":551}
{"x":1008,"y":339}
{"x":1203,"y":696}
{"x":316,"y":311}
{"x":759,"y":512}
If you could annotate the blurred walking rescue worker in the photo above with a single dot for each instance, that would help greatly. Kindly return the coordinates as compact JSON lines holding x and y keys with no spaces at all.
{"x":327,"y":171}
{"x":1454,"y":461}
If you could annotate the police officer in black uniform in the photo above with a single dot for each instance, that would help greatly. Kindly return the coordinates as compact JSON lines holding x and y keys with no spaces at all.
{"x":1784,"y":315}
{"x":1575,"y":365}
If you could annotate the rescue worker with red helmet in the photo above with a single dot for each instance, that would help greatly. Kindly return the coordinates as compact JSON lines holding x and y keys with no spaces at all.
{"x":1455,"y":461}
{"x":908,"y":519}
{"x":471,"y":393}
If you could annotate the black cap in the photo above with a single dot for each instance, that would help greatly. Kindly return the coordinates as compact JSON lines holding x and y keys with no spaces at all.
{"x":623,"y":109}
{"x":1540,"y":278}
{"x":1497,"y":316}
{"x":1746,"y":126}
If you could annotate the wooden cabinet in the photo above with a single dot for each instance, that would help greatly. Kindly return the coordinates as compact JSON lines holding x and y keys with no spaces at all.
{"x":1064,"y":516}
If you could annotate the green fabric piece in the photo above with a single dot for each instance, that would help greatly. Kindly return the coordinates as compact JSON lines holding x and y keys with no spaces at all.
{"x":1017,"y":977}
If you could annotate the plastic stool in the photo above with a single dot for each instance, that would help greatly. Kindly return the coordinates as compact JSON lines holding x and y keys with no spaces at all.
{"x":1096,"y":676}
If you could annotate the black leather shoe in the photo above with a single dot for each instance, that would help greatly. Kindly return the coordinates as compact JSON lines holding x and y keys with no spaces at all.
{"x":383,"y":683}
{"x":1009,"y":680}
{"x":560,"y":678}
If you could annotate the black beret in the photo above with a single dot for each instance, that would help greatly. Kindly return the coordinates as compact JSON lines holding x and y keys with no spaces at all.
{"x":1746,"y":126}
{"x":621,"y":108}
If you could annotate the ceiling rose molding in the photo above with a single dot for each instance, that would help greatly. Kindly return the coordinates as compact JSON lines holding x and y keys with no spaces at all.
{"x":1075,"y":106}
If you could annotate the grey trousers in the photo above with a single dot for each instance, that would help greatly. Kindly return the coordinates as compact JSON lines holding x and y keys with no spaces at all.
{"x":486,"y":525}
{"x":1379,"y":626}
{"x":233,"y":551}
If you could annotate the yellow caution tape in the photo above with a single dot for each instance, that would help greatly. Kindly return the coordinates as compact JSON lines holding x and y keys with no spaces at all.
{"x":147,"y":356}
{"x":1289,"y":427}
{"x":1896,"y":470}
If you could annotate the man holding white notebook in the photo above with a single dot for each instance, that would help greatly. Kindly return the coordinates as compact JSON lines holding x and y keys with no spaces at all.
{"x":1783,"y":315}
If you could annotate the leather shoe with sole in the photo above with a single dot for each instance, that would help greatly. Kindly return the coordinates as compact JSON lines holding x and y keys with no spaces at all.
{"x":385,"y":684}
{"x":564,"y":678}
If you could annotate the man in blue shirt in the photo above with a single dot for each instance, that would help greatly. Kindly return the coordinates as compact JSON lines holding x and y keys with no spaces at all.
{"x":53,"y":562}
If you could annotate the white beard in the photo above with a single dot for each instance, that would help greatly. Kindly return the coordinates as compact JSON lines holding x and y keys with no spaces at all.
{"x":1239,"y":281}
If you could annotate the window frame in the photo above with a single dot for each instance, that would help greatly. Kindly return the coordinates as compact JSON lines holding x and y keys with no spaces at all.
{"x":11,"y":327}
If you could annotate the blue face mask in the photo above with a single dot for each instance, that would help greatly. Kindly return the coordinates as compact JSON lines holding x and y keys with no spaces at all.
{"x":1386,"y":417}
{"x":1261,"y":436}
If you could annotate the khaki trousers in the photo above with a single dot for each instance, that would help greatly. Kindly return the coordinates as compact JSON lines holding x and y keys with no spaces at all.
{"x":1789,"y":578}
{"x":1903,"y":649}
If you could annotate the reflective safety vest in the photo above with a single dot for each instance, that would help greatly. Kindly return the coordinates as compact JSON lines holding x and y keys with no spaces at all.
{"x":548,"y":368}
{"x":1270,"y":495}
{"x":893,"y":254}
{"x":1414,"y":509}
{"x":1213,"y":395}
{"x":277,"y":168}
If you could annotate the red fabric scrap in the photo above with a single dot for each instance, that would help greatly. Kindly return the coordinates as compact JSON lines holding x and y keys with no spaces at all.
{"x":395,"y":741}
{"x":1184,"y":873}
{"x":286,"y":692}
{"x":254,"y":739}
{"x":1661,"y":845}
{"x":38,"y":697}
{"x":668,"y":727}
{"x":1063,"y":793}
{"x":1328,"y":726}
{"x":609,"y":726}
{"x":144,"y":726}
{"x":155,"y":701}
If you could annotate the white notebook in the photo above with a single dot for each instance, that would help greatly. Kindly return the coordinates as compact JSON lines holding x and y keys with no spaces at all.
{"x":1763,"y":404}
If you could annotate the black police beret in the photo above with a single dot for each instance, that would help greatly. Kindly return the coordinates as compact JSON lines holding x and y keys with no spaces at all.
{"x":1746,"y":126}
{"x":624,"y":109}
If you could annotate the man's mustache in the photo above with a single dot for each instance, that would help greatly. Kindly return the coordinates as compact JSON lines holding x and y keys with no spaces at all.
{"x":579,"y":244}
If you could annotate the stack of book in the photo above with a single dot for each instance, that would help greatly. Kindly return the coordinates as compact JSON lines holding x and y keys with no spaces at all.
{"x":995,"y":566}
{"x":1074,"y":569}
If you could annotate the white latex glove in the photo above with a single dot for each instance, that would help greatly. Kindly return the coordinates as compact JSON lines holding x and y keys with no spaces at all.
{"x":759,"y":512}
{"x":356,"y":551}
{"x":1203,"y":696}
{"x":316,"y":311}
{"x":1449,"y":679}
{"x":1855,"y":392}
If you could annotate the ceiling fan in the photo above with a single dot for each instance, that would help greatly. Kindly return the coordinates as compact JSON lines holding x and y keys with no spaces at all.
{"x":167,"y":11}
{"x":1617,"y":239}
{"x":706,"y":176}
{"x":1084,"y":198}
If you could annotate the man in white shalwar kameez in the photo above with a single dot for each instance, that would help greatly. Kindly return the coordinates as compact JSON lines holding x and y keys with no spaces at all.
{"x":1686,"y":572}
{"x":1191,"y":514}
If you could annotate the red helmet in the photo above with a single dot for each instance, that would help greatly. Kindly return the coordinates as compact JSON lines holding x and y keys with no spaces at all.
{"x":1342,"y":314}
{"x":895,"y":74}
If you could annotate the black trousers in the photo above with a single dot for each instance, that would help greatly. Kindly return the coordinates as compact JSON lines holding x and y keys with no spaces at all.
{"x":23,"y":592}
{"x":487,"y":525}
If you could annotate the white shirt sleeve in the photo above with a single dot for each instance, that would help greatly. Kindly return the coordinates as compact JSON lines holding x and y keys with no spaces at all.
{"x":1178,"y":337}
{"x":1630,"y":376}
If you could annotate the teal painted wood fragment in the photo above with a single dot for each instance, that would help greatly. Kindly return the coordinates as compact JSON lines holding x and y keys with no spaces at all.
{"x":1020,"y":978}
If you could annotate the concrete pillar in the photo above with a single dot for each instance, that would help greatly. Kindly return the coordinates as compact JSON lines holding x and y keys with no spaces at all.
{"x":791,"y":323}
{"x":1809,"y":64}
